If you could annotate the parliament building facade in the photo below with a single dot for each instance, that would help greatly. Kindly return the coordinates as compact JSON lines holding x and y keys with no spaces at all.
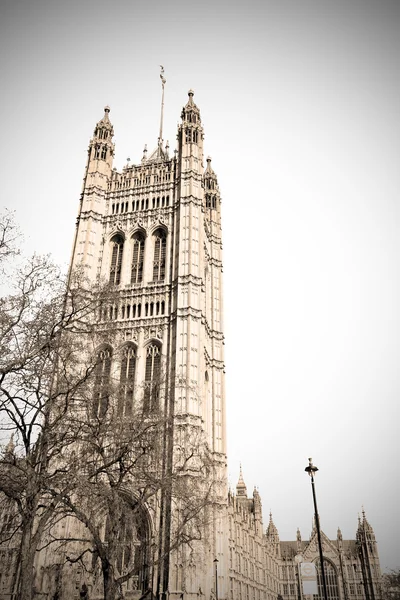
{"x":153,"y":230}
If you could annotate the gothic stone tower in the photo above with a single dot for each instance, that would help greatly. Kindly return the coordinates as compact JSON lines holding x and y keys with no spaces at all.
{"x":153,"y":230}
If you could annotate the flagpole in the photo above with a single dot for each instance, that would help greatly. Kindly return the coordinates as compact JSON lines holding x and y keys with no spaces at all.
{"x":163,"y":82}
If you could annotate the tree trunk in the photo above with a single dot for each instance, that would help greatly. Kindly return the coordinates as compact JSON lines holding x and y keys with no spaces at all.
{"x":25,"y":583}
{"x":110,"y":585}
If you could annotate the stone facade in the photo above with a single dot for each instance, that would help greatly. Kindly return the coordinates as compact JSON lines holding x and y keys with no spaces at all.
{"x":154,"y":231}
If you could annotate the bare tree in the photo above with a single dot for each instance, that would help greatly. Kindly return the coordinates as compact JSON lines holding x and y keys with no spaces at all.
{"x":391,"y":585}
{"x":9,"y":236}
{"x":119,"y":487}
{"x":86,"y":447}
{"x":44,"y":330}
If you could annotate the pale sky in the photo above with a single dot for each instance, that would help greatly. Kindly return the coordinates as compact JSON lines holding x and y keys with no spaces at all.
{"x":300,"y":105}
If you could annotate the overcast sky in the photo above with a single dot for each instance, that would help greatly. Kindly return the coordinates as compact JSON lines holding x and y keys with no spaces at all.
{"x":300,"y":105}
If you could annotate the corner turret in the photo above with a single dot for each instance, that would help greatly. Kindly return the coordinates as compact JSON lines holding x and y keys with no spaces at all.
{"x":101,"y":147}
{"x":190,"y":137}
{"x":190,"y":114}
{"x":92,"y":208}
{"x":210,"y":184}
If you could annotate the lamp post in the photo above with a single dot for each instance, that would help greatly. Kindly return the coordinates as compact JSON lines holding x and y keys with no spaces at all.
{"x":311,"y":470}
{"x":216,"y":577}
{"x":298,"y":560}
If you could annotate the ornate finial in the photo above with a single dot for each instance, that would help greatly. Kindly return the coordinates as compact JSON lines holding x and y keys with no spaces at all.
{"x":298,"y":535}
{"x":144,"y":157}
{"x":107,"y":109}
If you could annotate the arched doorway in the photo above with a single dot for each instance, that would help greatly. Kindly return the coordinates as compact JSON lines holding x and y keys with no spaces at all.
{"x":332,"y":586}
{"x":134,"y":551}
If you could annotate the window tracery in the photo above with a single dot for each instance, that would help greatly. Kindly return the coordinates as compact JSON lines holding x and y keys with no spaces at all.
{"x":160,"y":245}
{"x":127,"y":380}
{"x":330,"y":579}
{"x":116,"y":259}
{"x":101,"y":382}
{"x":152,"y":378}
{"x":137,"y":258}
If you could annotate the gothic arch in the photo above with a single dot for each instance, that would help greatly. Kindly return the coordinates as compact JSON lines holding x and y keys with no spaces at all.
{"x":137,"y":229}
{"x":135,"y":535}
{"x":159,"y":226}
{"x":159,"y":243}
{"x":102,"y":374}
{"x":137,"y":251}
{"x":127,"y":368}
{"x":117,"y":242}
{"x":331,"y":578}
{"x":152,"y":375}
{"x":115,"y":233}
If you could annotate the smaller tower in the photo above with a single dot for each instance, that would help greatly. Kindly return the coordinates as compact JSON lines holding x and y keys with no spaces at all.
{"x":368,"y":554}
{"x":272,"y":536}
{"x":96,"y":182}
{"x":101,"y":148}
{"x":257,"y":512}
{"x":298,"y":541}
{"x":241,"y":490}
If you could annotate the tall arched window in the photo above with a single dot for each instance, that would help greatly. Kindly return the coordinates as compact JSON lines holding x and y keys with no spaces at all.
{"x":102,"y":382}
{"x":137,"y":258}
{"x":152,"y":378}
{"x":128,"y":366}
{"x":160,"y":245}
{"x":132,"y":546}
{"x":332,"y":587}
{"x":116,"y":259}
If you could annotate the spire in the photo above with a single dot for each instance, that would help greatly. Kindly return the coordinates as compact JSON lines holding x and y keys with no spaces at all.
{"x":272,"y":532}
{"x":359,"y":529}
{"x":257,"y":502}
{"x":191,"y":113}
{"x":339,"y":534}
{"x":9,"y":449}
{"x":241,"y":489}
{"x":101,"y":147}
{"x":298,"y":535}
{"x":104,"y":129}
{"x":365,"y":524}
{"x":210,"y":185}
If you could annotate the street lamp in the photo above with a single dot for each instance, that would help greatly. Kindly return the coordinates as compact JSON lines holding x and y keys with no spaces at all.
{"x":298,"y":560}
{"x":311,"y":470}
{"x":216,"y":577}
